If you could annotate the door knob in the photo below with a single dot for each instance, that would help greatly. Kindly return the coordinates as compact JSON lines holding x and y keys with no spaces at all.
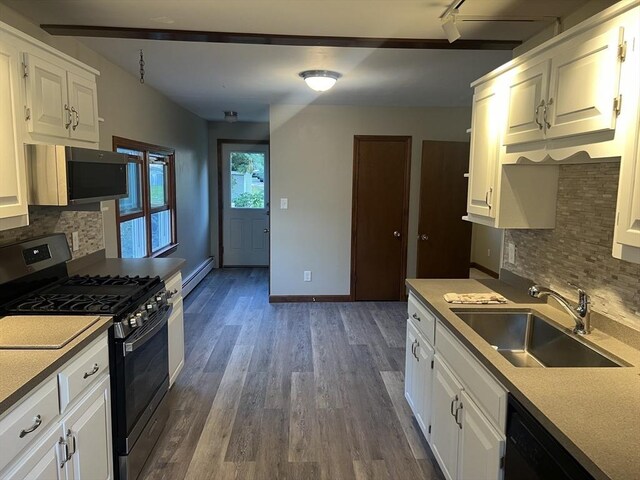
{"x":396,"y":234}
{"x":423,"y":237}
{"x":266,"y":230}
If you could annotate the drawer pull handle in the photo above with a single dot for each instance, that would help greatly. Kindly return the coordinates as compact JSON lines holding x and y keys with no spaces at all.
{"x":456,"y":416}
{"x":37,"y":421}
{"x":415,"y":315}
{"x":92,"y":372}
{"x":453,"y":401}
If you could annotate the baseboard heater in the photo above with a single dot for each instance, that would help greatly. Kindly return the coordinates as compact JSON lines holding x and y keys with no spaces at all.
{"x":197,"y":276}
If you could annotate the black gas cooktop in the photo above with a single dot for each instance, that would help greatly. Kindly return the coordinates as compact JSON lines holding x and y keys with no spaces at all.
{"x":90,"y":294}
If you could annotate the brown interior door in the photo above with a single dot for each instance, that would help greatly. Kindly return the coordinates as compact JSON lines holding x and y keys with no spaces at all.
{"x":379,"y":224}
{"x":444,"y":239}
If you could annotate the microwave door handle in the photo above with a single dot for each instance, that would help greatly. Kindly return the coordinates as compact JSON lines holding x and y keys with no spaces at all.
{"x":129,"y":347}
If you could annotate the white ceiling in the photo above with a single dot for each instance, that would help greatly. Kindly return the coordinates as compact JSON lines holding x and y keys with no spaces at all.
{"x":210,"y":78}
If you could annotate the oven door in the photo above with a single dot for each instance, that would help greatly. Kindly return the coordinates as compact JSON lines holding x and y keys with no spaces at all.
{"x":141,"y":378}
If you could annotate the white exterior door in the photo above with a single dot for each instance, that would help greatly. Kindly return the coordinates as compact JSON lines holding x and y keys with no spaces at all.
{"x":13,"y":185}
{"x":83,"y":99}
{"x":444,"y":429}
{"x":245,"y":202}
{"x":585,"y":77}
{"x":481,"y":446}
{"x":47,"y":98}
{"x":89,"y":427}
{"x":485,"y":137}
{"x":527,"y":91}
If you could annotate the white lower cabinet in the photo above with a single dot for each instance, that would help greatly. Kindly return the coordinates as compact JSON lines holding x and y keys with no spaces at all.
{"x":418,"y":368}
{"x":88,"y":428}
{"x":444,"y":428}
{"x":176,"y":327}
{"x":42,"y":462}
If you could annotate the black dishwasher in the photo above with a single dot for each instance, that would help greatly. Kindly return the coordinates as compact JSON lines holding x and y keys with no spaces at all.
{"x":533,"y":454}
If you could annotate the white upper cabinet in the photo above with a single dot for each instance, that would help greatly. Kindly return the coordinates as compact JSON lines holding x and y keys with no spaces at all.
{"x":527,"y":99}
{"x":585,"y":76}
{"x":83,"y":101}
{"x":484,"y":151}
{"x":60,"y":102}
{"x":47,"y":102}
{"x":13,"y":184}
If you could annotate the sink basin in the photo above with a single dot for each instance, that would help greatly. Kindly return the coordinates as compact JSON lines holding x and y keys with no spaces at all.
{"x":527,"y":339}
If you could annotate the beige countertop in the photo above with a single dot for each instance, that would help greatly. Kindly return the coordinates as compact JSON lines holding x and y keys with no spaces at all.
{"x":144,"y":267}
{"x":593,"y":412}
{"x":23,"y":370}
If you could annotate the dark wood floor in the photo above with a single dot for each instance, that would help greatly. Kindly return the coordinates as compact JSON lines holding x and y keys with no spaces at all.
{"x":289,"y":391}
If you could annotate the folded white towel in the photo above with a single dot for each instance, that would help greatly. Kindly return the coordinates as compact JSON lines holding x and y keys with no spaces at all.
{"x":475,"y":298}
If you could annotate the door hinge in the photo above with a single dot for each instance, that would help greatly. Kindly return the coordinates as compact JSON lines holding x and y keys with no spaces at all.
{"x":617,"y":104}
{"x":27,"y":113}
{"x":622,"y":51}
{"x":429,"y":429}
{"x":431,"y":364}
{"x":25,"y":70}
{"x":502,"y":462}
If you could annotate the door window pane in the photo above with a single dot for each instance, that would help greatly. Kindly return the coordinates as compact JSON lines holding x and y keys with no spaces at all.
{"x":247,"y":179}
{"x":133,"y":238}
{"x":132,"y":203}
{"x":158,"y":184}
{"x":160,"y":230}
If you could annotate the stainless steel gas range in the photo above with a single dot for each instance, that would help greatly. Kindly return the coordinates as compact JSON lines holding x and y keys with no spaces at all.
{"x":34,"y":280}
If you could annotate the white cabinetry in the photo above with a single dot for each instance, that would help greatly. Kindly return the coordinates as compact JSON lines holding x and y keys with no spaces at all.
{"x":61,"y":103}
{"x":418,"y":368}
{"x":73,"y":446}
{"x":175,"y":328}
{"x":484,"y":152}
{"x":13,"y":183}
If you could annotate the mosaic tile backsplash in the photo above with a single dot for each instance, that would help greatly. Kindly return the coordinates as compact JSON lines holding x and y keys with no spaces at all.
{"x":578,"y":250}
{"x":47,"y":220}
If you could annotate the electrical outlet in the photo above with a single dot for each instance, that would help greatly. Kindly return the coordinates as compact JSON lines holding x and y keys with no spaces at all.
{"x":284,"y":203}
{"x":488,"y":252}
{"x":75,"y":241}
{"x":512,"y":253}
{"x":307,"y":275}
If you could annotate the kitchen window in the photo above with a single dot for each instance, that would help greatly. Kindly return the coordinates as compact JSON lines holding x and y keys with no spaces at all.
{"x":146,"y":218}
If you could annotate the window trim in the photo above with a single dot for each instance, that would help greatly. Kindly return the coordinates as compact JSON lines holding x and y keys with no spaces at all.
{"x":147,"y":211}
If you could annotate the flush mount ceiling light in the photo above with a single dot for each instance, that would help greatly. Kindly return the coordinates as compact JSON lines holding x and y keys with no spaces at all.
{"x":320,"y":80}
{"x":230,"y":116}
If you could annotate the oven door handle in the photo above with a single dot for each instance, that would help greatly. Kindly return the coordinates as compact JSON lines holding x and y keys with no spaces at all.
{"x":129,"y":347}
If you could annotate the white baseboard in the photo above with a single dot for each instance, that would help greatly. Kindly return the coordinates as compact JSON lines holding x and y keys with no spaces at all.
{"x":197,"y":276}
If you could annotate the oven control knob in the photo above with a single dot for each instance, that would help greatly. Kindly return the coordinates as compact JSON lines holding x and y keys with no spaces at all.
{"x":159,"y":298}
{"x":141,"y":318}
{"x":133,"y":322}
{"x":151,"y":306}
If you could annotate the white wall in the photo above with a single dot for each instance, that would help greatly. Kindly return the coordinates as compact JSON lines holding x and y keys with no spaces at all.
{"x":486,"y":246}
{"x":139,"y":112}
{"x":312,"y":164}
{"x":226,"y":131}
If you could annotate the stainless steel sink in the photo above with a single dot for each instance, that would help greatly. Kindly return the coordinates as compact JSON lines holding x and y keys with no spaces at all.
{"x":527,"y":339}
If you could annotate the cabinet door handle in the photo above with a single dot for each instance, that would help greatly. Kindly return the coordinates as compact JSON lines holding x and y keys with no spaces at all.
{"x":68,"y":123}
{"x":490,"y":197}
{"x":456,"y":416}
{"x":540,"y":105}
{"x":77,"y":117}
{"x":415,"y":316}
{"x":71,"y":440}
{"x":92,"y":372}
{"x":453,"y":401}
{"x":37,"y":421}
{"x":415,"y":350}
{"x":64,"y":458}
{"x":544,"y":113}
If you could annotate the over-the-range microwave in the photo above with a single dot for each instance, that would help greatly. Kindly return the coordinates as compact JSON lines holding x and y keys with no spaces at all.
{"x":61,"y":175}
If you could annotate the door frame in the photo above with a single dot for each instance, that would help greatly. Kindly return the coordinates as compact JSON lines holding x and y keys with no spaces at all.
{"x":354,"y":206}
{"x":221,"y":142}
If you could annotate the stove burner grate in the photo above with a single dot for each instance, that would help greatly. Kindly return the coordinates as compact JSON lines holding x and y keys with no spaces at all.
{"x":69,"y":303}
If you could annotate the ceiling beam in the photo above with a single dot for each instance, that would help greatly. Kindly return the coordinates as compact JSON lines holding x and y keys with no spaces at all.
{"x":275,"y":39}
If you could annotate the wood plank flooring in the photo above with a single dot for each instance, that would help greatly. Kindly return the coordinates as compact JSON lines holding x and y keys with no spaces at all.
{"x":309,"y":391}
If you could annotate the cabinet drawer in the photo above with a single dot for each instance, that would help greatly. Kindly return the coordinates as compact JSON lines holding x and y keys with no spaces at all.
{"x":423,"y":318}
{"x":20,"y":427}
{"x":174,"y":284}
{"x":485,"y":390}
{"x":82,"y":372}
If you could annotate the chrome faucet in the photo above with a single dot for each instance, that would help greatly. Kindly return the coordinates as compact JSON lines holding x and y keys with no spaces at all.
{"x":580,"y":313}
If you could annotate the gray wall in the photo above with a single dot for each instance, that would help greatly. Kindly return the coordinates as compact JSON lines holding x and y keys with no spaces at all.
{"x":139,"y":112}
{"x":312,"y":165}
{"x":486,"y":246}
{"x":226,"y":131}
